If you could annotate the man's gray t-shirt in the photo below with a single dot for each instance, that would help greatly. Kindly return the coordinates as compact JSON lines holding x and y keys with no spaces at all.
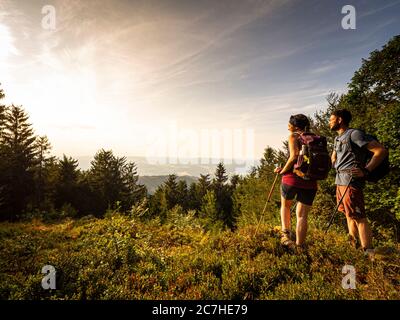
{"x":348,"y":155}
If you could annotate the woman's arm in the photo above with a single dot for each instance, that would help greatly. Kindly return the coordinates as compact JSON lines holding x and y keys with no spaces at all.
{"x":294,"y":153}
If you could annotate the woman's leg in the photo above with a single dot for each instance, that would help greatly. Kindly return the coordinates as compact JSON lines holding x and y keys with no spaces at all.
{"x":302,"y":225}
{"x":285,"y":213}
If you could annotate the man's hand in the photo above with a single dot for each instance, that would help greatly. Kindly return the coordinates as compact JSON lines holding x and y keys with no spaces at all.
{"x":358,"y":173}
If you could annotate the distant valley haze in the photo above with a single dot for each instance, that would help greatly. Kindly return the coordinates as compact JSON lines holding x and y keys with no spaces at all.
{"x":184,"y":167}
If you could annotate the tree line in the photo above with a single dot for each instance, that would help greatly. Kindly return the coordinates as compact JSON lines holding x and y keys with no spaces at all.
{"x":34,"y":181}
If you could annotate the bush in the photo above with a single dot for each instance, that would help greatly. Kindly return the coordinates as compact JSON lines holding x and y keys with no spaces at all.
{"x":119,"y":257}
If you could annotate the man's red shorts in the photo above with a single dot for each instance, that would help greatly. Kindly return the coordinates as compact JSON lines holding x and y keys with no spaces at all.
{"x":353,"y":202}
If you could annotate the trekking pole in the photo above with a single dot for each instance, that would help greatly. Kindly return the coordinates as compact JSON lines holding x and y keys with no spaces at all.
{"x":293,"y":208}
{"x":266,"y":202}
{"x":337,"y":207}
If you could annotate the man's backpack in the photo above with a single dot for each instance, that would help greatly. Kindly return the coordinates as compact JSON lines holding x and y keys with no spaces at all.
{"x":382,"y":169}
{"x":313,"y":162}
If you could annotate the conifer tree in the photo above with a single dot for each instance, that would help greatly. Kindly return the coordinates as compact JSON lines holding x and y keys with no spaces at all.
{"x":43,"y":147}
{"x":170,"y":187}
{"x":20,"y":151}
{"x":223,"y":195}
{"x":67,"y":187}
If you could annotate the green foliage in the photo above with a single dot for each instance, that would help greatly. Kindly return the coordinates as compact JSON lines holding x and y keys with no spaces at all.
{"x":112,"y":179}
{"x":120,"y":257}
{"x":268,"y":163}
{"x":249,"y":200}
{"x":67,"y":187}
{"x":209,"y":214}
{"x":17,"y":162}
{"x":223,"y":196}
{"x":374,"y":100}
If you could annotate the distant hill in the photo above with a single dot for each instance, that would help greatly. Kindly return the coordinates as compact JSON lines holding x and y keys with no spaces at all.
{"x":152,"y":182}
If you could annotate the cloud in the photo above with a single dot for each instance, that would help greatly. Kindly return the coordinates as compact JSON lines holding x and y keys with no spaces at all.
{"x":381,"y":8}
{"x":112,"y":66}
{"x":7,"y":44}
{"x":324,"y":68}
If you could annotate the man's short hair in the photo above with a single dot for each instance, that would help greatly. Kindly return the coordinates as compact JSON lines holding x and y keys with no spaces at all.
{"x":344,"y":114}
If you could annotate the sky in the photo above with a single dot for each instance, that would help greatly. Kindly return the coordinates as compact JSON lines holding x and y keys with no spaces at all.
{"x":164,"y":78}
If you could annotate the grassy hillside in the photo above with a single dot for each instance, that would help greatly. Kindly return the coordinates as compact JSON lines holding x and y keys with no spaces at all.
{"x":120,"y":257}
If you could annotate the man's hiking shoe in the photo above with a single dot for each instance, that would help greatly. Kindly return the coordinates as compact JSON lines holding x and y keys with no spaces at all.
{"x":353,"y":241}
{"x":370,"y":253}
{"x":300,"y":249}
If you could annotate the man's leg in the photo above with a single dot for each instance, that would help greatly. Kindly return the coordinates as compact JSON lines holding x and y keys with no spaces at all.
{"x":365,"y":233}
{"x":353,"y":228}
{"x":358,"y":225}
{"x":346,"y":208}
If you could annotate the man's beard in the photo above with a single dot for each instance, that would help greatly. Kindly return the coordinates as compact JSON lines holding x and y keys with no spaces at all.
{"x":335,"y":127}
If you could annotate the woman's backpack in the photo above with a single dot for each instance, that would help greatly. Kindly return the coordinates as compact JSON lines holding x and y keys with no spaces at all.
{"x":313,"y":162}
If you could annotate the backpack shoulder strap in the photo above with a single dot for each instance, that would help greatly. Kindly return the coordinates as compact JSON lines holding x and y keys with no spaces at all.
{"x":348,"y":138}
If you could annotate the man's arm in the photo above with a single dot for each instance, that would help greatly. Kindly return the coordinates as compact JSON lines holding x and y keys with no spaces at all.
{"x":333,"y":158}
{"x":379,"y":152}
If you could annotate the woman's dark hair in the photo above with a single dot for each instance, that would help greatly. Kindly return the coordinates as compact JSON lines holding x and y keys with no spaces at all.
{"x":300,"y":121}
{"x":344,"y":114}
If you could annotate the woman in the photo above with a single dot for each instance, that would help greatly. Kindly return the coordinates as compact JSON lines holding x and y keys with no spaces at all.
{"x":293,"y":186}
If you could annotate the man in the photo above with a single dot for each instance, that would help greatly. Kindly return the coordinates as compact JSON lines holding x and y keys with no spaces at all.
{"x":349,"y":160}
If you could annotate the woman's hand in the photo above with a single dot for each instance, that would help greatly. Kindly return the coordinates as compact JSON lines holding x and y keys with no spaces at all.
{"x":278,"y":170}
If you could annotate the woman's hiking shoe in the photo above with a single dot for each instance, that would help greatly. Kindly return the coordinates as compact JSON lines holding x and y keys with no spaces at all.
{"x":286,"y":239}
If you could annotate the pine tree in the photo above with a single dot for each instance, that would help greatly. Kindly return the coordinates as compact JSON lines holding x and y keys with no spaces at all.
{"x":158,"y":206}
{"x":67,"y":187}
{"x":209,"y":207}
{"x":20,"y":150}
{"x":220,"y":176}
{"x":132,"y":192}
{"x":234,"y":181}
{"x":193,"y":203}
{"x":105,"y":180}
{"x":203,"y":184}
{"x":267,"y":164}
{"x":43,"y":147}
{"x":3,"y":158}
{"x":171,"y":191}
{"x":3,"y":115}
{"x":182,"y":194}
{"x":223,"y":196}
{"x":112,"y":180}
